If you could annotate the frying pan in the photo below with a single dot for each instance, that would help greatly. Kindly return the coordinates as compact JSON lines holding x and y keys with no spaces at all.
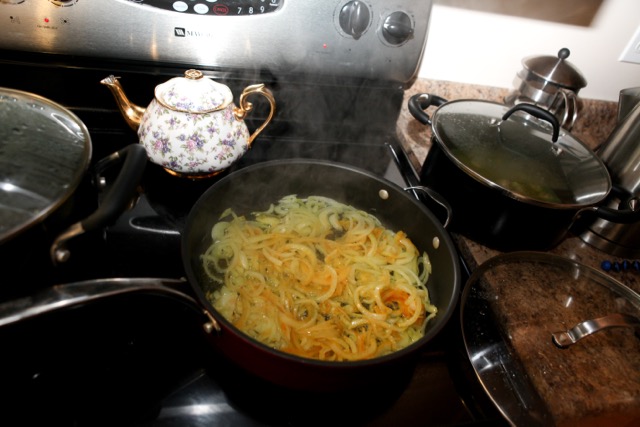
{"x":252,"y":189}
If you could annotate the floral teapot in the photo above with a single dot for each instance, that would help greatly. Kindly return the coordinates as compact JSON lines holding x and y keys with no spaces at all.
{"x":191,"y":128}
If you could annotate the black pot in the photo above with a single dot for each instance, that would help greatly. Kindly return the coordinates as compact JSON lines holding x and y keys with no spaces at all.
{"x":252,"y":189}
{"x":514,"y":179}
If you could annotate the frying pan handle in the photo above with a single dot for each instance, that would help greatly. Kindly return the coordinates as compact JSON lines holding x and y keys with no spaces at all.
{"x":420,"y":102}
{"x":115,"y":201}
{"x":538,"y":112}
{"x":71,"y":295}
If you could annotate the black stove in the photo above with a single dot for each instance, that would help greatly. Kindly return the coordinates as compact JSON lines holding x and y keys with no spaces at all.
{"x":143,"y":360}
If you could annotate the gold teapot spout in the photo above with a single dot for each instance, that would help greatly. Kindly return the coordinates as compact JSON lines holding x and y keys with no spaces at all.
{"x":132,"y":113}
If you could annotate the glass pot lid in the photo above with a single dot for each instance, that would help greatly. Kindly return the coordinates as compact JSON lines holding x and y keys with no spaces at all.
{"x":194,"y":93}
{"x":46,"y":152}
{"x":510,"y":308}
{"x":518,"y":156}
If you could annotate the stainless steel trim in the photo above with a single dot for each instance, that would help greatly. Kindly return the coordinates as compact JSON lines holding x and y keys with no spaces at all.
{"x":564,"y":339}
{"x":299,"y":37}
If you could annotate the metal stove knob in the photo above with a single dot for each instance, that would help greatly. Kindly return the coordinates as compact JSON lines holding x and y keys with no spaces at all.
{"x":355,"y":18}
{"x":397,"y":28}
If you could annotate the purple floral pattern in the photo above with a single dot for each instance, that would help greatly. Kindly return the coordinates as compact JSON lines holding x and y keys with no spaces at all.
{"x":193,"y":144}
{"x":199,"y":96}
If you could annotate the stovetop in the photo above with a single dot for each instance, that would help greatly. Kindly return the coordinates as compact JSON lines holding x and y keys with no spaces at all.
{"x":143,"y":360}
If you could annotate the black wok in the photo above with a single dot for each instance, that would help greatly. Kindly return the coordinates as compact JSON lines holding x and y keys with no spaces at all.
{"x":255,"y":188}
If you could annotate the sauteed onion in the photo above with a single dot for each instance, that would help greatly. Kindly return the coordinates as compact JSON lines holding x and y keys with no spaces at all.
{"x":319,"y":279}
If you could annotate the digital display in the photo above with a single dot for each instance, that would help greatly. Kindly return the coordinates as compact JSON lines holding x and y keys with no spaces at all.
{"x":215,"y":7}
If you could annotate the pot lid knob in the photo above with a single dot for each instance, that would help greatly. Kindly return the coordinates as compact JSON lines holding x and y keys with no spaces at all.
{"x":194,"y":93}
{"x":193,"y":74}
{"x":557,"y":70}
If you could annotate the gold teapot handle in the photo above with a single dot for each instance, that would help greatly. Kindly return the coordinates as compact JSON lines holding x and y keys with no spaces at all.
{"x":246,"y":106}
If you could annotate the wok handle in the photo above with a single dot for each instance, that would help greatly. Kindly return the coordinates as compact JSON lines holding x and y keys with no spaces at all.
{"x":538,"y":112}
{"x":69,"y":295}
{"x":420,"y":102}
{"x":115,"y":201}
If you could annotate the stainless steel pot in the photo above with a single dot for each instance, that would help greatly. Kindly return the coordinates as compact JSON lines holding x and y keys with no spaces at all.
{"x":550,"y":82}
{"x":513,"y":177}
{"x":621,"y":154}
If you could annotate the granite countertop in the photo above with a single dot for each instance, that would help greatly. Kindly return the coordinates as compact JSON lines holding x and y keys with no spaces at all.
{"x":595,"y":122}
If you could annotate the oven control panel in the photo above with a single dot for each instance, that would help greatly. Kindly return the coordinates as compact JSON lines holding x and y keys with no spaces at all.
{"x":375,"y":39}
{"x":215,"y":7}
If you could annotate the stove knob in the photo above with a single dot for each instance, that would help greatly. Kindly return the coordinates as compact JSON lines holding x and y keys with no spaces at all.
{"x":355,"y":18}
{"x":397,"y":28}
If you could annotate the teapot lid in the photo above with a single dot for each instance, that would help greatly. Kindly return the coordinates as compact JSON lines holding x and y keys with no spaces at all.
{"x":193,"y":93}
{"x":556,"y":69}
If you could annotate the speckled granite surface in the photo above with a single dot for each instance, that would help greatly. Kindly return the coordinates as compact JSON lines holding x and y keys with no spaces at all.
{"x":577,"y":387}
{"x":595,"y":123}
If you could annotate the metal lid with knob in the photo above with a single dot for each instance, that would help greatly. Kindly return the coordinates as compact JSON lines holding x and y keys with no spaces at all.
{"x":556,"y":70}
